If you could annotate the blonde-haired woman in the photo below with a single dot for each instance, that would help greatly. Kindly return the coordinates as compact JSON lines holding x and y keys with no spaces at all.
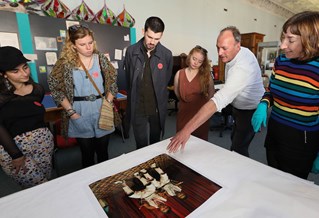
{"x":193,"y":87}
{"x":72,"y":89}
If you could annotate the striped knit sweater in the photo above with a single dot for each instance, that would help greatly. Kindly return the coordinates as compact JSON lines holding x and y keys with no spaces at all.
{"x":293,"y":93}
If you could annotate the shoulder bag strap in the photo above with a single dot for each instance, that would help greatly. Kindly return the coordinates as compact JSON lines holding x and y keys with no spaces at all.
{"x":88,"y":75}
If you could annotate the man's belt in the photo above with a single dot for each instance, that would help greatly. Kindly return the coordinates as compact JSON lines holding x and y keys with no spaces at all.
{"x":87,"y":98}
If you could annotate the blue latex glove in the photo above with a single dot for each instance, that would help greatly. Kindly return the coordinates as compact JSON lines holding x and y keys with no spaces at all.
{"x":315,"y":166}
{"x":260,"y":116}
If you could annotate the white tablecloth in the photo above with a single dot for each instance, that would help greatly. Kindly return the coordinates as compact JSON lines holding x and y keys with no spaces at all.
{"x":250,"y":189}
{"x":219,"y":86}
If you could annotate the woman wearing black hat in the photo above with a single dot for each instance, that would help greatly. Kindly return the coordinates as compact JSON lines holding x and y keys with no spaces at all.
{"x":26,"y":144}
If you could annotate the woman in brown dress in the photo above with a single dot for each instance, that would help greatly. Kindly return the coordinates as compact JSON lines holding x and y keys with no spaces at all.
{"x":194,"y":86}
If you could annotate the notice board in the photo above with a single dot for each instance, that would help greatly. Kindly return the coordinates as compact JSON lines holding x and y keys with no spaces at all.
{"x":109,"y":39}
{"x":47,"y":39}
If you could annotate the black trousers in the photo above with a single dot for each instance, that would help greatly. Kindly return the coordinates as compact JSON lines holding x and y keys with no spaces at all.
{"x":147,"y":130}
{"x":291,"y":150}
{"x":91,"y":146}
{"x":242,"y":132}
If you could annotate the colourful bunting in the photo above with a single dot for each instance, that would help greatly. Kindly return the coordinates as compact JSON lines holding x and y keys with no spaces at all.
{"x":82,"y":12}
{"x":55,"y":8}
{"x":33,"y":6}
{"x":105,"y":16}
{"x":125,"y":19}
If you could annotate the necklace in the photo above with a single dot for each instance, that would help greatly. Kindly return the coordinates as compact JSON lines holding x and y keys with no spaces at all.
{"x":88,"y":66}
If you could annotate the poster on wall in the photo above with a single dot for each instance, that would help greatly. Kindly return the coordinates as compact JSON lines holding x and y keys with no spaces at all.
{"x":51,"y":58}
{"x":46,"y":43}
{"x":9,"y":39}
{"x":159,"y":187}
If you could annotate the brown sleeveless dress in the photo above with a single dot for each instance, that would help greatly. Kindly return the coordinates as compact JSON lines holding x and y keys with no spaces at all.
{"x":191,"y":100}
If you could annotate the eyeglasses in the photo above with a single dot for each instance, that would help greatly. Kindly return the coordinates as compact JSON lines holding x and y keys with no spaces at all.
{"x":76,"y":27}
{"x":203,"y":49}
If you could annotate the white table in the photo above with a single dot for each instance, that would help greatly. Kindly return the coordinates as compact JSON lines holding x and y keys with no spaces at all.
{"x":219,"y":86}
{"x":250,"y":189}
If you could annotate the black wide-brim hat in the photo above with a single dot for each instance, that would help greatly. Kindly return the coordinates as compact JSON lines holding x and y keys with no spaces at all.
{"x":10,"y":58}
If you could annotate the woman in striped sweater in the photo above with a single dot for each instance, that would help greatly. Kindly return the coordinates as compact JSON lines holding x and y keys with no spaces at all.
{"x":292,"y":140}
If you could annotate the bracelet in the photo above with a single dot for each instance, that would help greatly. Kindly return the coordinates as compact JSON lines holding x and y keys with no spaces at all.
{"x":70,"y":112}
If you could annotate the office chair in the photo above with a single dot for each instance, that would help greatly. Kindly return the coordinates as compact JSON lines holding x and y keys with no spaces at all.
{"x":225,"y":120}
{"x":172,"y":98}
{"x":179,"y":62}
{"x":121,"y":113}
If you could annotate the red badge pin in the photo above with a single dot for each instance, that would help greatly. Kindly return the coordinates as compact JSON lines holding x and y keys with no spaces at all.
{"x":160,"y":66}
{"x":37,"y":103}
{"x":95,"y":74}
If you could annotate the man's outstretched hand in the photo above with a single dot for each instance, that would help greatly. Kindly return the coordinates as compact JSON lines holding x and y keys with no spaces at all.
{"x":178,"y":141}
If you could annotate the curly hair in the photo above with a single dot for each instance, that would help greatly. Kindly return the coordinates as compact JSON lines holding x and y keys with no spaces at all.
{"x":305,"y":25}
{"x":69,"y":55}
{"x":204,"y":70}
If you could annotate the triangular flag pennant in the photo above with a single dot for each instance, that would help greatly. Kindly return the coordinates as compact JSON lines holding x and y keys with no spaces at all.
{"x":105,"y":15}
{"x":55,"y":8}
{"x":125,"y":19}
{"x":82,"y":12}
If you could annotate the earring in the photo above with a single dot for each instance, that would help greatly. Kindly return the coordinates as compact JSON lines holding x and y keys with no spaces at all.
{"x":7,"y":83}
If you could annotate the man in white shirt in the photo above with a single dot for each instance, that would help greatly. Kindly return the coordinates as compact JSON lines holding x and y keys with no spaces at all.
{"x":243,"y":89}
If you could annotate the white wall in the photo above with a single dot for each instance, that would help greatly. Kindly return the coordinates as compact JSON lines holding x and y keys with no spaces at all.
{"x":189,"y":23}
